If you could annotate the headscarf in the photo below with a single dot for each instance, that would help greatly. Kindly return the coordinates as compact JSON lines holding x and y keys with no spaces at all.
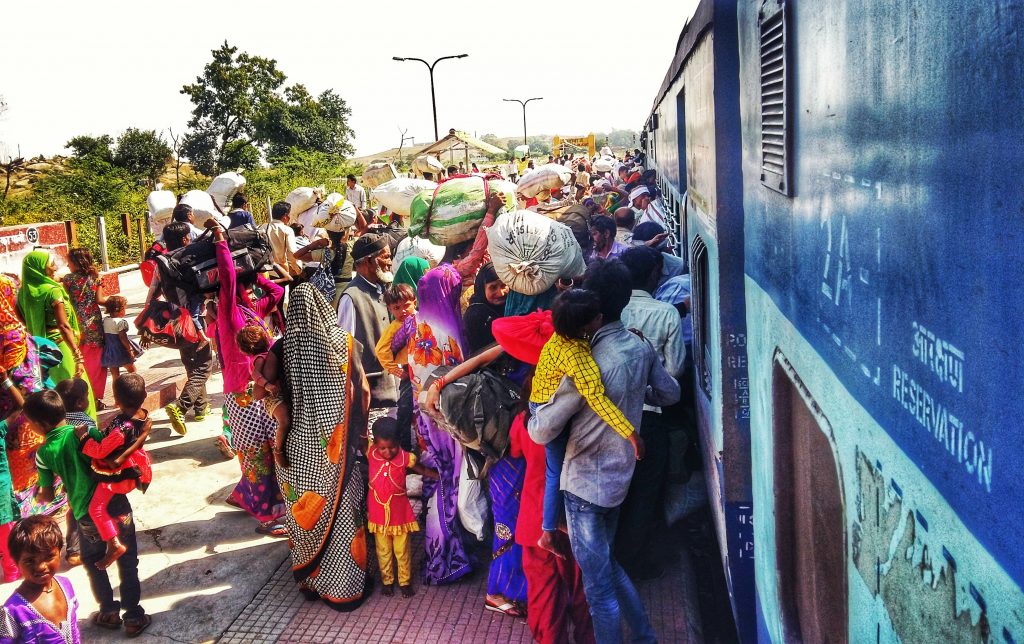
{"x":38,"y":292}
{"x":481,"y":313}
{"x":410,"y":271}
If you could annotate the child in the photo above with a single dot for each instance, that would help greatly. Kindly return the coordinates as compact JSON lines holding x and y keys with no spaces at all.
{"x":118,"y":350}
{"x":576,"y":315}
{"x":389,"y":513}
{"x":35,"y":544}
{"x":267,"y":371}
{"x":119,"y":462}
{"x":401,"y":302}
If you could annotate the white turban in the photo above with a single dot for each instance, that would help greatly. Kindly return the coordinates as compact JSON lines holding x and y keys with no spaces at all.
{"x":638,"y":192}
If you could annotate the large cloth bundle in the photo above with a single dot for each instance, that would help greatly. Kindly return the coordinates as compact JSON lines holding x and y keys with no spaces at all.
{"x":606,"y":151}
{"x":418,"y":247}
{"x":530,"y":251}
{"x":336,"y":213}
{"x":453,"y":211}
{"x":193,"y":268}
{"x":377,"y":173}
{"x":302,"y":199}
{"x":203,"y":208}
{"x":224,"y":187}
{"x":604,"y":164}
{"x":547,"y":177}
{"x":397,"y":195}
{"x":427,"y":163}
{"x":160,"y":204}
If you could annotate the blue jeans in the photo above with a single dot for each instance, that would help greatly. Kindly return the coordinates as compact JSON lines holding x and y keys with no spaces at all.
{"x":610,"y":593}
{"x":554,"y":455}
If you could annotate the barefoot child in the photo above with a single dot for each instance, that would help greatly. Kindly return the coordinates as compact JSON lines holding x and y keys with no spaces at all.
{"x":389,"y":514}
{"x":118,"y":350}
{"x":119,"y":462}
{"x":576,"y":315}
{"x":35,"y":544}
{"x":267,"y":372}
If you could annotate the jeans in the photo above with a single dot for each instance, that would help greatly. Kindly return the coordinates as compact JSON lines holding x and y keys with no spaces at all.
{"x":609,"y":591}
{"x":93,"y":549}
{"x":554,"y":455}
{"x":198,"y":365}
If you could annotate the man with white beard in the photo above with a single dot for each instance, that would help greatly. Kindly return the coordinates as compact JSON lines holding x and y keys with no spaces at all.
{"x":363,"y":313}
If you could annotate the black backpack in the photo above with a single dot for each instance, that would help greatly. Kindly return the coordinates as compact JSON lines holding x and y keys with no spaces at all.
{"x":193,"y":268}
{"x":478,"y":410}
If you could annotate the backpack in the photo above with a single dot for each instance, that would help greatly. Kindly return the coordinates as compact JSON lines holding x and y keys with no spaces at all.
{"x":478,"y":410}
{"x":193,"y":268}
{"x":167,"y":325}
{"x":148,"y":266}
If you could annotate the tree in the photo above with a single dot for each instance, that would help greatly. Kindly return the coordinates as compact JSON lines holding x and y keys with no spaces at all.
{"x":143,"y":154}
{"x":86,"y":146}
{"x":298,"y":120}
{"x":227,"y":99}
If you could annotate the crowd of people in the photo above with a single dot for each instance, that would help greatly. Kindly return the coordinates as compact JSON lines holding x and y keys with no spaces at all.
{"x":336,"y":372}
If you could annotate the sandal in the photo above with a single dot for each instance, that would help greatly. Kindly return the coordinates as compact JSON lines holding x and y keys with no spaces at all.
{"x":133,"y":627}
{"x":512,"y":609}
{"x":111,"y":621}
{"x":273,"y":529}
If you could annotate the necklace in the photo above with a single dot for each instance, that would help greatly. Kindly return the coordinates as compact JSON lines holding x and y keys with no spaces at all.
{"x":48,"y":590}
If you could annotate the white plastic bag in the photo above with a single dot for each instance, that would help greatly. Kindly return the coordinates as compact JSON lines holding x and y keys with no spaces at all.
{"x":302,"y":199}
{"x":340,"y":216}
{"x":604,"y":164}
{"x":546,"y":177}
{"x":427,"y":163}
{"x":530,"y":251}
{"x":160,"y":204}
{"x":203,"y":208}
{"x":224,"y":187}
{"x":397,"y":195}
{"x":418,"y":247}
{"x":473,"y":508}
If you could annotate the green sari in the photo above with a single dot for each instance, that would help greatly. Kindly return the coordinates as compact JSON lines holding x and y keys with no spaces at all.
{"x":36,"y":297}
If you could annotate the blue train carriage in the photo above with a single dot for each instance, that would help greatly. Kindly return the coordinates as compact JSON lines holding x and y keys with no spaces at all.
{"x":693,"y":140}
{"x":882,"y":165}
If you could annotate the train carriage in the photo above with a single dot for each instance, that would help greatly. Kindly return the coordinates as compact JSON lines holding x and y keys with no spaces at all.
{"x":853,"y":211}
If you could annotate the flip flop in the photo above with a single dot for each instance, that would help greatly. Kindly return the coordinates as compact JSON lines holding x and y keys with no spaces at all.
{"x":505,"y":608}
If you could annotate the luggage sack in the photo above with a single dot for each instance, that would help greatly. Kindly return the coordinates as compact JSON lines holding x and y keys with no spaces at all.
{"x":193,"y":268}
{"x":453,"y":211}
{"x":167,"y":325}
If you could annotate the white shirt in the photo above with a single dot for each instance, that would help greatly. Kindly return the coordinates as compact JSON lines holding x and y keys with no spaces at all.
{"x":357,"y":196}
{"x":660,"y":323}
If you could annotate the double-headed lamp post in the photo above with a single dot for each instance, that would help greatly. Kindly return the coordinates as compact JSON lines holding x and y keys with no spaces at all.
{"x":430,"y":66}
{"x":523,"y":103}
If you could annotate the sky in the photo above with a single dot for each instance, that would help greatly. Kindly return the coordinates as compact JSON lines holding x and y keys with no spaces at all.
{"x":100,"y":67}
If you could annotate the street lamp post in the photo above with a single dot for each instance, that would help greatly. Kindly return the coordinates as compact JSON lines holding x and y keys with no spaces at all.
{"x":430,"y":66}
{"x":523,"y":103}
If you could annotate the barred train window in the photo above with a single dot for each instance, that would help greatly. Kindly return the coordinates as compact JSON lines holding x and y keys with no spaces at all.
{"x":774,"y":68}
{"x":700,"y":304}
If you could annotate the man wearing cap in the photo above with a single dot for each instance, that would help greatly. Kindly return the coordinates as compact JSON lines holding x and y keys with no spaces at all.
{"x":363,"y":313}
{"x":640,"y":200}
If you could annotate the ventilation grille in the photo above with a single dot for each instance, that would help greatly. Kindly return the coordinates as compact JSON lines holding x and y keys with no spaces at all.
{"x":774,"y":115}
{"x":700,"y":304}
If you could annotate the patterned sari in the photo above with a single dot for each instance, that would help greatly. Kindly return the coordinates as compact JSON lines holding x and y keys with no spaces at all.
{"x":505,"y":577}
{"x":438,"y":340}
{"x":323,"y":488}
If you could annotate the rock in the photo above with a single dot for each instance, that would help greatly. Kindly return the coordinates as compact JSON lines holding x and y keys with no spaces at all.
{"x":39,"y":167}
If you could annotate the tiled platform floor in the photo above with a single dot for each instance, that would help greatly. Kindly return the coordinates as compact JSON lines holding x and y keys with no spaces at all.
{"x":451,"y":613}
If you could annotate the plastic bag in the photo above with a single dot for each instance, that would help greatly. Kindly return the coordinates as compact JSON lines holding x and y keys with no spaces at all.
{"x":473,"y":508}
{"x":427,"y":163}
{"x":452,"y":213}
{"x":397,"y":195}
{"x":418,"y":247}
{"x":224,"y":187}
{"x":203,"y":208}
{"x":302,"y":199}
{"x":160,"y":204}
{"x":530,"y":251}
{"x":547,"y":177}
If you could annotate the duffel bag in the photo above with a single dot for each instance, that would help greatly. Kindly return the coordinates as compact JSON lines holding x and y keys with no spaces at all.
{"x":167,"y":325}
{"x":193,"y":268}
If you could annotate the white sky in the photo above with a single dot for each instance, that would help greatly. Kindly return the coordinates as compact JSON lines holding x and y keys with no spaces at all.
{"x":100,"y":67}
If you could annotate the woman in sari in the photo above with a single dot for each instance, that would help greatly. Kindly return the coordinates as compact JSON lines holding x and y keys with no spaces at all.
{"x":47,"y":312}
{"x":410,"y":271}
{"x":324,"y":488}
{"x":438,"y":340}
{"x":84,"y":286}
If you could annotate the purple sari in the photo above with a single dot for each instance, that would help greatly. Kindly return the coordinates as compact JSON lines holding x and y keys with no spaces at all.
{"x":437,"y":339}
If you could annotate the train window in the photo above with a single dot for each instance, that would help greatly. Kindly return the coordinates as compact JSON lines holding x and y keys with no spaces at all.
{"x":700,"y":304}
{"x":775,"y":158}
{"x":810,"y":523}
